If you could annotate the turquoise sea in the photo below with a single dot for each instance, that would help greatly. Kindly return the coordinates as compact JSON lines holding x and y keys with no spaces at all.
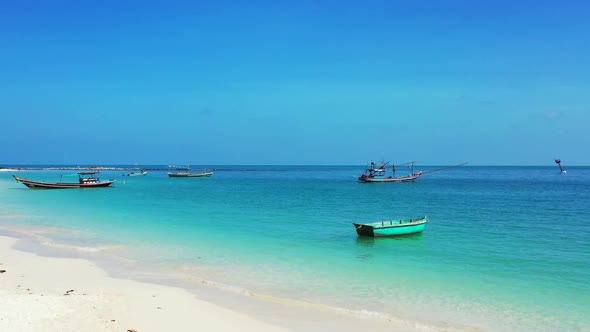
{"x":506,"y":248}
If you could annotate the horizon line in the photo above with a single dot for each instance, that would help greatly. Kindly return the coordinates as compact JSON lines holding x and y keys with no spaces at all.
{"x":94,"y":165}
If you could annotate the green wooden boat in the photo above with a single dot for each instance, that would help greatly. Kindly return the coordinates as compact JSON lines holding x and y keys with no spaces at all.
{"x":391,"y":227}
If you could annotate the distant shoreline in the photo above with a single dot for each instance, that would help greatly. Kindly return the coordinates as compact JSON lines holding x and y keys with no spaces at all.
{"x":229,"y":168}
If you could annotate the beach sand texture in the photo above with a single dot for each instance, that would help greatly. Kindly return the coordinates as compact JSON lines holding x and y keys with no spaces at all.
{"x":63,"y":294}
{"x":40,"y":293}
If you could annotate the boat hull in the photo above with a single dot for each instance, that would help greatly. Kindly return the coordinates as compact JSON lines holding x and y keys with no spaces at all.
{"x":370,"y":179}
{"x":190,"y":175}
{"x":61,"y":185}
{"x":136,"y":174}
{"x":391,"y":227}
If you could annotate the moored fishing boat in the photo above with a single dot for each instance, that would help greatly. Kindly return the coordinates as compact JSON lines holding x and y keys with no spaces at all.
{"x":85,"y":180}
{"x":140,"y":173}
{"x":190,"y":175}
{"x":374,"y":173}
{"x":185,"y":172}
{"x":391,"y":227}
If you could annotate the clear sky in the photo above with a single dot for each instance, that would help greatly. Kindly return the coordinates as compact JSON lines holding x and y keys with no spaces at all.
{"x":294,"y":82}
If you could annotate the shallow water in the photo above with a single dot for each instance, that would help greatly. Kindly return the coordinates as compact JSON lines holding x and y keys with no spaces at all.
{"x":506,"y":248}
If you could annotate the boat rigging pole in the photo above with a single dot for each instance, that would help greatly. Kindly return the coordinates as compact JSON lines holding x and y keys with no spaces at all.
{"x":442,"y":168}
{"x":410,"y":164}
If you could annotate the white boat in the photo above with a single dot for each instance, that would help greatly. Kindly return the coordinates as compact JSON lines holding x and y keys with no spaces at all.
{"x":140,"y":173}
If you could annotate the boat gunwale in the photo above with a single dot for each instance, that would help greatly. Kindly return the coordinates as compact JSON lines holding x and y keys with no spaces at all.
{"x":376,"y":179}
{"x":375,"y":225}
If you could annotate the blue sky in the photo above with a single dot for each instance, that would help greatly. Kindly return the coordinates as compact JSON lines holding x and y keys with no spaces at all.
{"x":294,"y":82}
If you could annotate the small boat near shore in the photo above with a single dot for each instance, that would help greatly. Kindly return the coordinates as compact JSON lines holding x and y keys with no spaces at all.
{"x":185,"y":172}
{"x":391,"y":227}
{"x":85,"y":180}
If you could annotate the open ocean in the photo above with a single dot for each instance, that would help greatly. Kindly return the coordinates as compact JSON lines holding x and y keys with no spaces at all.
{"x":506,"y":248}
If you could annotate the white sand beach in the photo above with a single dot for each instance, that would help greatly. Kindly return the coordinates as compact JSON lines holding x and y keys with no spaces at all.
{"x":39,"y":293}
{"x":64,"y":294}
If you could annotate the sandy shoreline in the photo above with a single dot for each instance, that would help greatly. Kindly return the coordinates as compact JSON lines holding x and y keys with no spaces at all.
{"x":42,"y":293}
{"x":65,"y":294}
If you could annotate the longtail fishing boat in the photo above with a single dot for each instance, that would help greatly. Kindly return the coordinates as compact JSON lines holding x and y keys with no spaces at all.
{"x":185,"y":172}
{"x":377,"y":173}
{"x":85,"y":180}
{"x":391,"y":227}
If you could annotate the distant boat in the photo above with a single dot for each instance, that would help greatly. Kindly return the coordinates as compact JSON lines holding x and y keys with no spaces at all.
{"x":391,"y":227}
{"x":140,"y":173}
{"x":561,"y":170}
{"x":84,"y":181}
{"x":377,"y":173}
{"x":185,"y":172}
